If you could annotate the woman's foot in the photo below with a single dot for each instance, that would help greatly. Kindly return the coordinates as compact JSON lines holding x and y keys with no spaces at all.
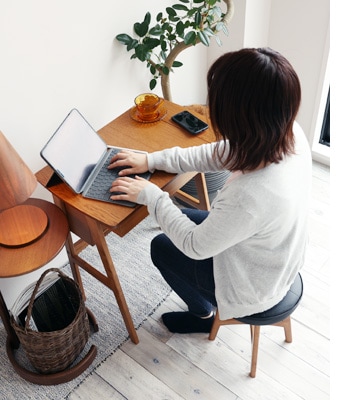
{"x":185,"y":322}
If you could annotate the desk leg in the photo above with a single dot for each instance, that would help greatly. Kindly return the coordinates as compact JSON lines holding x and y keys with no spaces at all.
{"x":97,"y":235}
{"x":73,"y":265}
{"x":202,"y":202}
{"x":202,"y":190}
{"x":112,"y":277}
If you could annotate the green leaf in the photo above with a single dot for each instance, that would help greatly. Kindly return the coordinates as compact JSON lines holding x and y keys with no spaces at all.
{"x":219,"y":26}
{"x":217,"y":11}
{"x":218,"y":41}
{"x":124,"y":38}
{"x":225,"y":30}
{"x":185,"y":1}
{"x":192,"y":12}
{"x":151,"y":43}
{"x":190,"y":38}
{"x":156,"y":30}
{"x":132,"y":45}
{"x":204,"y":38}
{"x":167,"y":27}
{"x":171,"y":12}
{"x":199,"y":1}
{"x":142,"y":28}
{"x":180,"y":28}
{"x":165,"y":70}
{"x":209,"y":32}
{"x":147,"y":19}
{"x":198,"y":18}
{"x":180,"y":7}
{"x":177,"y":64}
{"x":153,"y":70}
{"x":159,"y":16}
{"x":141,"y":52}
{"x":152,"y":84}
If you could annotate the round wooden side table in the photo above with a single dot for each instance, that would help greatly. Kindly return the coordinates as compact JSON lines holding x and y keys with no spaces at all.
{"x":16,"y":261}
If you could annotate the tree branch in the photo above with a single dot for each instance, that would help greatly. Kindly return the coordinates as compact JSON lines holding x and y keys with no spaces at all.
{"x":181,"y":46}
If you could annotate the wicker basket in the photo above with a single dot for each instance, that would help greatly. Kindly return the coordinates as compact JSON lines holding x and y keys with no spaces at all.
{"x":62,"y":322}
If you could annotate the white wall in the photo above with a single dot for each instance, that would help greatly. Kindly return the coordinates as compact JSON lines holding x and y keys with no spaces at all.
{"x":300,"y":29}
{"x":59,"y":55}
{"x":56,"y":55}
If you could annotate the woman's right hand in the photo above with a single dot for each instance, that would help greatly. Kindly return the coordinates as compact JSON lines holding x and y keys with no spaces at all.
{"x":135,"y":161}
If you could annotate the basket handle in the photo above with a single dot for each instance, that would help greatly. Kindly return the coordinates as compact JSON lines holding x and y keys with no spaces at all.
{"x":35,"y":291}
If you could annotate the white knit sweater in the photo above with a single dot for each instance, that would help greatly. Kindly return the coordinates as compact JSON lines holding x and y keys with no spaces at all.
{"x":256,"y":230}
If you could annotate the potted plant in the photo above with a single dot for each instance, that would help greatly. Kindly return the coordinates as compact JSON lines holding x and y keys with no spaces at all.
{"x":180,"y":27}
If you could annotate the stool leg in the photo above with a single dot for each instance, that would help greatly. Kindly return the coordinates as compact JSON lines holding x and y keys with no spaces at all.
{"x":255,"y":331}
{"x":251,"y":332}
{"x":288,"y":330}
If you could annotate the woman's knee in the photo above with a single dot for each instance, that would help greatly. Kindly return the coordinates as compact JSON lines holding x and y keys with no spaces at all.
{"x":195,"y":215}
{"x":159,"y":247}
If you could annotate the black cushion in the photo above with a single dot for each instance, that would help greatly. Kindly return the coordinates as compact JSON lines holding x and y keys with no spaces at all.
{"x":281,"y":310}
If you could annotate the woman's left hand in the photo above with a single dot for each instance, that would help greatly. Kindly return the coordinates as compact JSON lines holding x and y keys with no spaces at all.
{"x":129,"y":188}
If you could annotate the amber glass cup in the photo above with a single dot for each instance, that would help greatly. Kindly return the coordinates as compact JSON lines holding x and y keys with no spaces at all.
{"x":147,"y":105}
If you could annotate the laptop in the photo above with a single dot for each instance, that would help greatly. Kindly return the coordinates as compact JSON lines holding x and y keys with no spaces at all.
{"x":80,"y":158}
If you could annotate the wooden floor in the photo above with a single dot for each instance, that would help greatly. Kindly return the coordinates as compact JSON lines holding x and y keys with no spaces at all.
{"x":173,"y":366}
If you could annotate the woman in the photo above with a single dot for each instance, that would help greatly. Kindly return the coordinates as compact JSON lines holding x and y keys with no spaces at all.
{"x":243,"y":255}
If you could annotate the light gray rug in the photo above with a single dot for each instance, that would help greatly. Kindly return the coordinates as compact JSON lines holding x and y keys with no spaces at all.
{"x":144,"y":289}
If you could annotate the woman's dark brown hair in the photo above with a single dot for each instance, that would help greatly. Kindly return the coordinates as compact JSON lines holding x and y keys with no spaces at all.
{"x":254,"y":96}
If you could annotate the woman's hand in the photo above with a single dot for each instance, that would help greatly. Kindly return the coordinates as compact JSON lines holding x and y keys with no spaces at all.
{"x":129,"y":188}
{"x":136,"y":162}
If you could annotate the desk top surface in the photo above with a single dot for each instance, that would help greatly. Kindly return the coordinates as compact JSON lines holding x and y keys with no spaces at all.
{"x":128,"y":133}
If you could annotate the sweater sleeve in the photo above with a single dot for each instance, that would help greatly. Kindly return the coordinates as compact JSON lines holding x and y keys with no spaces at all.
{"x":178,"y":160}
{"x":225,"y":225}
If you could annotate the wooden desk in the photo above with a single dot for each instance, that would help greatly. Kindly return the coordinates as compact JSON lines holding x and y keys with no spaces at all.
{"x":91,"y":220}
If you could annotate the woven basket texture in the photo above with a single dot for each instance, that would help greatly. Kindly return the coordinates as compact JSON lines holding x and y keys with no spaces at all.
{"x":62,"y":322}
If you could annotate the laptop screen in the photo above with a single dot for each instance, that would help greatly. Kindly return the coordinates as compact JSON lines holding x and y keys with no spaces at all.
{"x":74,"y":150}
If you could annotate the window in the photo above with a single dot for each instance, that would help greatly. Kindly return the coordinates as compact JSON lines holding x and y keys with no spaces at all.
{"x":325,"y":137}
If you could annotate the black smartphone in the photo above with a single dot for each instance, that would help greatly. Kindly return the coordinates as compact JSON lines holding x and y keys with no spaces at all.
{"x":190,"y":122}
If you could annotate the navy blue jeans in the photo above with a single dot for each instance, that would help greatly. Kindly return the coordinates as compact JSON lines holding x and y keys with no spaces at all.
{"x":192,"y":280}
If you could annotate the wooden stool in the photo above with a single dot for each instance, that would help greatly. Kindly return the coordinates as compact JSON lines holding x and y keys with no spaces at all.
{"x":279,"y":315}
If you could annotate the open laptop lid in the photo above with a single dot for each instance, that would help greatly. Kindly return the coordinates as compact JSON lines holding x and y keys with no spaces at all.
{"x":74,"y":150}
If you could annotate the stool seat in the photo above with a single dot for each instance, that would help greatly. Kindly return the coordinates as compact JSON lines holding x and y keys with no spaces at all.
{"x":281,"y":310}
{"x":278,"y":315}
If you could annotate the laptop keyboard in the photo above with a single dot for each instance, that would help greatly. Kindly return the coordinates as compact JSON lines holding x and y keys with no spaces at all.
{"x":100,"y":187}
